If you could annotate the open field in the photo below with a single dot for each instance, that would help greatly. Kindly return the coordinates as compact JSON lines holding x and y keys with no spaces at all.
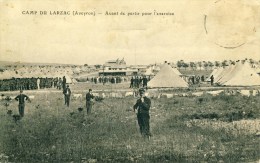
{"x":185,"y":129}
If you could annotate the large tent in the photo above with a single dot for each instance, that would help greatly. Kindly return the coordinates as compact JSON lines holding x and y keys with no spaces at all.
{"x":212,"y":73}
{"x":8,"y":75}
{"x":242,"y":75}
{"x":167,"y":78}
{"x":177,"y":71}
{"x":227,"y":74}
{"x":149,"y":72}
{"x":221,"y":74}
{"x":218,"y":73}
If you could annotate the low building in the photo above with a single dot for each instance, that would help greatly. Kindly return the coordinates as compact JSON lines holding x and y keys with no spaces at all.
{"x":117,"y":68}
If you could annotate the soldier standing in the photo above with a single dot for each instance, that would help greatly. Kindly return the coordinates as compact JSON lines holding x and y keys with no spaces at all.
{"x":64,"y":83}
{"x":145,"y":82}
{"x":21,"y":99}
{"x":131,"y":83}
{"x":89,"y":101}
{"x":59,"y":84}
{"x":38,"y":83}
{"x":143,"y":105}
{"x":202,"y":78}
{"x":67,"y":93}
{"x":212,"y":79}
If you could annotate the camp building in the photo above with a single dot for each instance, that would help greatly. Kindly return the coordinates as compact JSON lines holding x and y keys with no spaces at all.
{"x":117,"y":67}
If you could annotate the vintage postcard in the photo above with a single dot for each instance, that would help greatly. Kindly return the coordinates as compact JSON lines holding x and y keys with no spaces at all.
{"x":129,"y":81}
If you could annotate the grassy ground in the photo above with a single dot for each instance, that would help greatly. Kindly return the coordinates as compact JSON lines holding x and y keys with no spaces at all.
{"x":184,"y":130}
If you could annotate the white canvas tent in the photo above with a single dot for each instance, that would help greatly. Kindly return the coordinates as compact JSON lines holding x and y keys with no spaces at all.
{"x":8,"y":75}
{"x":149,"y":72}
{"x":243,"y":75}
{"x":212,"y":73}
{"x":227,"y":74}
{"x":217,"y":74}
{"x":167,"y":78}
{"x":68,"y":79}
{"x":221,"y":74}
{"x":176,"y":71}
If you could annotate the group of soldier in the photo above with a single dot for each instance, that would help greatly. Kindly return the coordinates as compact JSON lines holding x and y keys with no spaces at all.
{"x":196,"y":79}
{"x":113,"y":79}
{"x":137,"y":82}
{"x":141,"y":107}
{"x":15,"y":84}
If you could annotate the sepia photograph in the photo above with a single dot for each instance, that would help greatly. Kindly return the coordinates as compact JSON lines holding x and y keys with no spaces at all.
{"x":130,"y":81}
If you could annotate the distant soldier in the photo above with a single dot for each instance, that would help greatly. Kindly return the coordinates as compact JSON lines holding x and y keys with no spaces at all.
{"x":17,"y":84}
{"x":11,"y":84}
{"x":112,"y":80}
{"x":202,"y":78}
{"x":89,"y":101}
{"x":136,"y":82}
{"x":140,"y":82}
{"x":145,"y":82}
{"x":198,"y":79}
{"x":1,"y":85}
{"x":38,"y":83}
{"x":67,"y":93}
{"x":212,"y":79}
{"x":143,"y":105}
{"x":64,"y":83}
{"x":59,"y":84}
{"x":55,"y":82}
{"x":21,"y":99}
{"x":193,"y":80}
{"x":131,"y":82}
{"x":41,"y":83}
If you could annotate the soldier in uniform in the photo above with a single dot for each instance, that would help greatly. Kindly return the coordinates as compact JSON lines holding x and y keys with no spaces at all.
{"x":131,"y":83}
{"x":64,"y":82}
{"x":21,"y":99}
{"x":212,"y":79}
{"x":89,"y":101}
{"x":38,"y":83}
{"x":145,"y":82}
{"x":55,"y":80}
{"x":67,"y":93}
{"x":142,"y":106}
{"x":140,"y":82}
{"x":59,"y":84}
{"x":202,"y":78}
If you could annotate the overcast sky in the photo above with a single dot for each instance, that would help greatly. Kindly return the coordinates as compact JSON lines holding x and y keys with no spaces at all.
{"x":198,"y":30}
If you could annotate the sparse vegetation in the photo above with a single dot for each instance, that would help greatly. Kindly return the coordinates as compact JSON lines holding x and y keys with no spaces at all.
{"x":183,"y":131}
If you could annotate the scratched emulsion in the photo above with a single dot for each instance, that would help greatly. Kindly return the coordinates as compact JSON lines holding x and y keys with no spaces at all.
{"x":231,"y":24}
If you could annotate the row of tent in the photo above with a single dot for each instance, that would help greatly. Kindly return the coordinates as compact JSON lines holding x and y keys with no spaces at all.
{"x":240,"y":74}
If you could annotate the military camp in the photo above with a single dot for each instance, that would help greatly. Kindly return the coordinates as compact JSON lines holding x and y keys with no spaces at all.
{"x":140,"y":81}
{"x":203,"y":107}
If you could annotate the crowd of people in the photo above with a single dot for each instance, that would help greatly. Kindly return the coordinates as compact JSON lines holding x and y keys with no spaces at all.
{"x":15,"y":84}
{"x":105,"y":79}
{"x":137,"y":82}
{"x":196,"y":79}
